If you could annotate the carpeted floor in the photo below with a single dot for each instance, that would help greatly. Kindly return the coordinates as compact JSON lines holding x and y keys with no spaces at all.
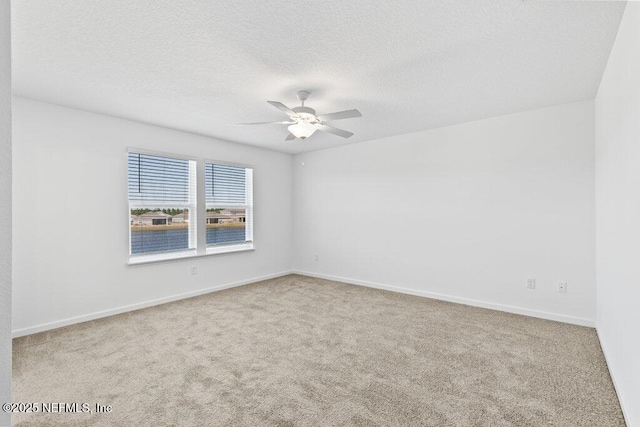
{"x":305,"y":352}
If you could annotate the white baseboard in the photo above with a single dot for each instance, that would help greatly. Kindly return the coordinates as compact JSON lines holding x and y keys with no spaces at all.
{"x":613,"y":377}
{"x":459,"y":300}
{"x":466,"y":301}
{"x":100,"y":314}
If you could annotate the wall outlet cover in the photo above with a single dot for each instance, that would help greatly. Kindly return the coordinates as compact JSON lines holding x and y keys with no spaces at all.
{"x":562,"y":287}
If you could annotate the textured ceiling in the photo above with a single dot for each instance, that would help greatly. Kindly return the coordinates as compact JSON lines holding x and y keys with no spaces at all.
{"x":203,"y":66}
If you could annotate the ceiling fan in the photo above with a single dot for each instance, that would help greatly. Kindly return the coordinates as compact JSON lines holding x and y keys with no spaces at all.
{"x":303,"y":121}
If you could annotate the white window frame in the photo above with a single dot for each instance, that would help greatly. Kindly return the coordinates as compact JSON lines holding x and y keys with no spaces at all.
{"x":197,"y":214}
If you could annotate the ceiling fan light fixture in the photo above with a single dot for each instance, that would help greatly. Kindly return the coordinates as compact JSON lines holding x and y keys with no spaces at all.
{"x":302,"y":130}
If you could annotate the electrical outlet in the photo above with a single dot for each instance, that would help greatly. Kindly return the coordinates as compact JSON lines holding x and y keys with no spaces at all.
{"x":194,"y":270}
{"x":562,"y":287}
{"x":531,"y":283}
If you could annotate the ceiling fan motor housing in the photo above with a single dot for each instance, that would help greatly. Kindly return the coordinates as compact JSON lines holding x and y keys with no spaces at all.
{"x":304,"y":110}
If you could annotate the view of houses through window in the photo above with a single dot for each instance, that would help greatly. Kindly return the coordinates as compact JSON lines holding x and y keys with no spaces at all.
{"x":159,"y":230}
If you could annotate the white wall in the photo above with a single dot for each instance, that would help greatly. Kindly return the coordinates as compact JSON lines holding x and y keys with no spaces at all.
{"x":468,"y":211}
{"x":70,"y":217}
{"x":618,"y":212}
{"x":5,"y":208}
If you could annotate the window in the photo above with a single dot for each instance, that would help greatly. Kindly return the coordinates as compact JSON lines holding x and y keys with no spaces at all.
{"x":228,"y":194}
{"x":169,"y":207}
{"x":161,"y":197}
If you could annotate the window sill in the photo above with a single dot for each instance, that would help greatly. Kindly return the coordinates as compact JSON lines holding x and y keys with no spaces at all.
{"x":214,"y":250}
{"x":225,"y":249}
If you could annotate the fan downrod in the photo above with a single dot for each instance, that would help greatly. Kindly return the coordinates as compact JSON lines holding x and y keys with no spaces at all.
{"x":303,"y":95}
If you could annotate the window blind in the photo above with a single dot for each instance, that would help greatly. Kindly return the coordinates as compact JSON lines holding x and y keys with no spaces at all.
{"x":225,"y":186}
{"x":158,"y":180}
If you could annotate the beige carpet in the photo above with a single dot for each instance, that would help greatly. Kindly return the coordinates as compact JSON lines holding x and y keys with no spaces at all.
{"x":305,"y":352}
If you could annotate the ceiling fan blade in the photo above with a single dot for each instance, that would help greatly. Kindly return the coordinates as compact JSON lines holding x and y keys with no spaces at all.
{"x":335,"y":131}
{"x":280,"y":106}
{"x":290,"y":137}
{"x":266,"y":123}
{"x":349,"y":114}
